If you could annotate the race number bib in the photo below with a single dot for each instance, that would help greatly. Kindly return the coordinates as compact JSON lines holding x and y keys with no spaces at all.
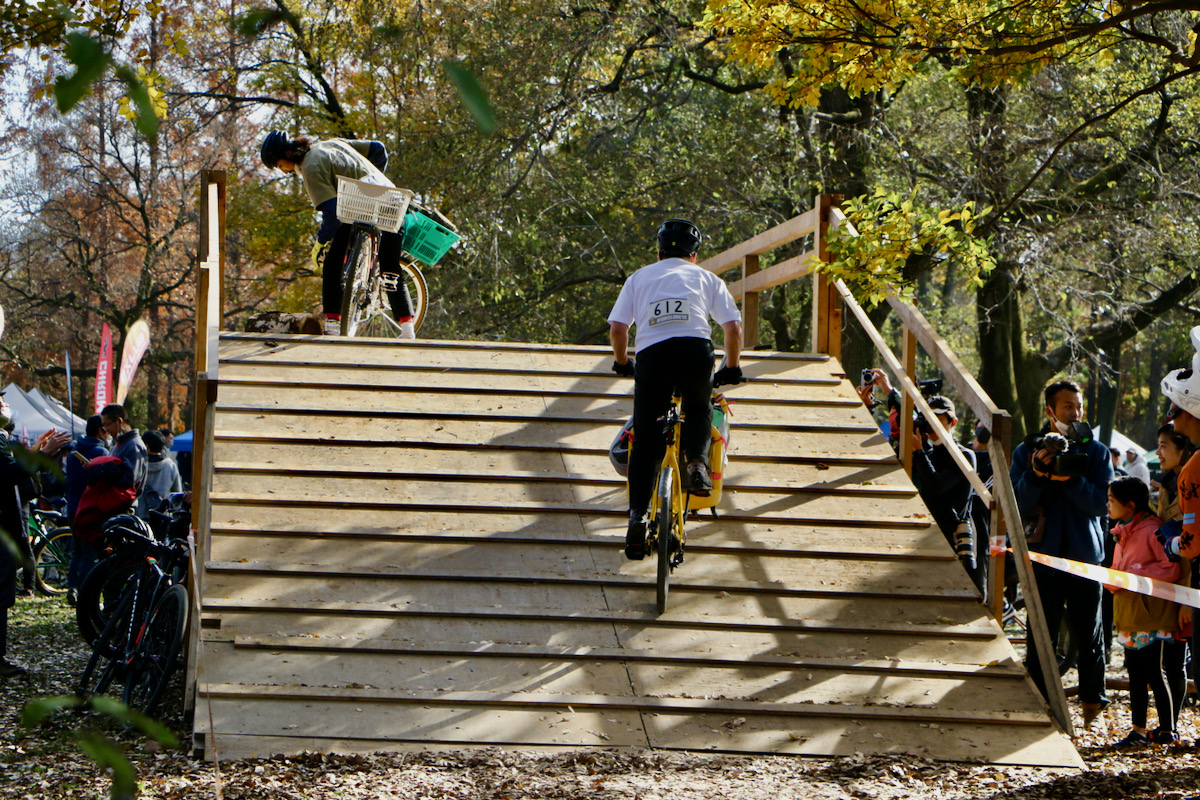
{"x":668,"y":310}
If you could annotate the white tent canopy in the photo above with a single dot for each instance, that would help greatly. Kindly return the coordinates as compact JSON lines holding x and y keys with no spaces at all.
{"x":1121,"y":442}
{"x":35,"y":412}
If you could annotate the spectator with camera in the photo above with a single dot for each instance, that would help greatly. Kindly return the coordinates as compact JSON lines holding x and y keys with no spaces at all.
{"x":869,"y":381}
{"x":1061,"y":476}
{"x":943,"y":486}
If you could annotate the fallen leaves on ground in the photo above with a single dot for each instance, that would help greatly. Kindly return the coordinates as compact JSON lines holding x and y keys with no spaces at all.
{"x":46,"y":764}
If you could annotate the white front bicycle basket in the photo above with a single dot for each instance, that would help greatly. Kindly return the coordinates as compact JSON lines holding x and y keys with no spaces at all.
{"x":381,"y":206}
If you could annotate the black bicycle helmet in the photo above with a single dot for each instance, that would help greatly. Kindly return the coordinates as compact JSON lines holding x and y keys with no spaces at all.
{"x":273,"y":148}
{"x":678,"y":237}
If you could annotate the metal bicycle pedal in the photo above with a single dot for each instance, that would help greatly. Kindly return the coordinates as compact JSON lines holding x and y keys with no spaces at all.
{"x":390,"y":281}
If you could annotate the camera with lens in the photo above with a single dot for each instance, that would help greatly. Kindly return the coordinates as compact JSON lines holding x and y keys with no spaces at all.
{"x":1065,"y":463}
{"x":964,"y":544}
{"x":930,"y":387}
{"x":867,"y":377}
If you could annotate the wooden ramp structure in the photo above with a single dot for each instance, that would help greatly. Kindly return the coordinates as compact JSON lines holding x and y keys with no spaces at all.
{"x":419,"y":545}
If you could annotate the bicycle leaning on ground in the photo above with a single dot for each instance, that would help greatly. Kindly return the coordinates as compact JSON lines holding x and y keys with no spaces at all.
{"x":371,"y":208}
{"x":670,"y":503}
{"x":144,"y":621}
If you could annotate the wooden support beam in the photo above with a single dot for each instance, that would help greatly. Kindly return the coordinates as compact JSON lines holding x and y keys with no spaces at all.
{"x":776,"y":274}
{"x":768,"y":240}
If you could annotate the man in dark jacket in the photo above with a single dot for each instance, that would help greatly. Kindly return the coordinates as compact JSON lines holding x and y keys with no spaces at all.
{"x":127,"y":446}
{"x":83,"y":556}
{"x":1064,"y":505}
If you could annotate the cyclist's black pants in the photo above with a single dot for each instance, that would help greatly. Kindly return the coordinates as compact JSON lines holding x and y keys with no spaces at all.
{"x":335,"y":264}
{"x":682,"y":365}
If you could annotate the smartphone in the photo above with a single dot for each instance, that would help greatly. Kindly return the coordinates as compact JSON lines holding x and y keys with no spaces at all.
{"x":82,"y":458}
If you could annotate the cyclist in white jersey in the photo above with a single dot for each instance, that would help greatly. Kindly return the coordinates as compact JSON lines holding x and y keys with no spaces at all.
{"x":670,"y":303}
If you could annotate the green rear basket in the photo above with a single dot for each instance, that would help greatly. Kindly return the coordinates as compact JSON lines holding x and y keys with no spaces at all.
{"x":425,"y":239}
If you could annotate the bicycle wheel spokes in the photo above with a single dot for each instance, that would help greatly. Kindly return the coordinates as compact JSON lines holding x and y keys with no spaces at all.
{"x":665,"y":525}
{"x":158,"y":652}
{"x":355,"y":285}
{"x":53,"y":559}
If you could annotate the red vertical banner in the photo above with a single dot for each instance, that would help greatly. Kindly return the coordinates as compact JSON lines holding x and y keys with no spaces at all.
{"x":104,"y":386}
{"x":137,"y":342}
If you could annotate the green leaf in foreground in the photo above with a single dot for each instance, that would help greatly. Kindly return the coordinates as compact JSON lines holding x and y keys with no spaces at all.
{"x":257,"y":21}
{"x":472,"y":93}
{"x":90,"y":60}
{"x":108,"y":753}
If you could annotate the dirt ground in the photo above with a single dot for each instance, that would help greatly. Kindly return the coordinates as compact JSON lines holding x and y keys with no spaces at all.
{"x":47,"y":763}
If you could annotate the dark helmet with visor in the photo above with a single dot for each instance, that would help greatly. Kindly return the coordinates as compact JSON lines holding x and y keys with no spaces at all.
{"x":274,"y":147}
{"x":678,"y":237}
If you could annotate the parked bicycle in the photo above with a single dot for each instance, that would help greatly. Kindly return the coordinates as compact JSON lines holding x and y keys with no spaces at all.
{"x":105,"y":585}
{"x":143,"y":637}
{"x":52,"y":544}
{"x":371,"y":208}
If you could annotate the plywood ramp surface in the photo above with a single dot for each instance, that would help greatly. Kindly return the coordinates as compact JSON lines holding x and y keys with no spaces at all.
{"x":420,"y":544}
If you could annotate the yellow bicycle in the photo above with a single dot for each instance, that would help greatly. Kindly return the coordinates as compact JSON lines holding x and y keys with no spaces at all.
{"x":670,"y":504}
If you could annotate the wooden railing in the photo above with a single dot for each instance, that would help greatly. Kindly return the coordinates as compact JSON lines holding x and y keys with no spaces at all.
{"x":209,"y":305}
{"x":831,"y":299}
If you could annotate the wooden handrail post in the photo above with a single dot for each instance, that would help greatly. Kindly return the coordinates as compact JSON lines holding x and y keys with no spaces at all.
{"x":212,"y":224}
{"x":827,"y":303}
{"x":908,"y":359}
{"x":1038,"y":632}
{"x":750,"y":305}
{"x":210,"y":302}
{"x":1000,"y":427}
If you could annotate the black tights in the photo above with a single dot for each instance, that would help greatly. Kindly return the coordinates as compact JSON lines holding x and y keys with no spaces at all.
{"x":332,"y":271}
{"x":1146,"y":672}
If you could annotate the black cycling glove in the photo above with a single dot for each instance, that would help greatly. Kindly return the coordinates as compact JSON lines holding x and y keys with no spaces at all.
{"x":624,"y":370}
{"x":728,"y":376}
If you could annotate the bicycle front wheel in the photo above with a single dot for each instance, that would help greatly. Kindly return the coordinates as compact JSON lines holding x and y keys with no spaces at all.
{"x":158,"y":652}
{"x":53,"y":560}
{"x":101,"y":592}
{"x":666,"y":528}
{"x":356,"y":299}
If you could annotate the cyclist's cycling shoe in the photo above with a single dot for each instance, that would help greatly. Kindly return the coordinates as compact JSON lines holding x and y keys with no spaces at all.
{"x":635,"y":536}
{"x":699,"y":483}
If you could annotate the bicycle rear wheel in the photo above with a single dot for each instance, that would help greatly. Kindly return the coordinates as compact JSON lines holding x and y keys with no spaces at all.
{"x":53,"y":560}
{"x":356,"y":298}
{"x":665,"y":523}
{"x":418,"y":292}
{"x":158,"y":652}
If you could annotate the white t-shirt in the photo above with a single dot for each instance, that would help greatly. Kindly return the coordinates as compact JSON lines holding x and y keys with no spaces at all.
{"x":673,"y":298}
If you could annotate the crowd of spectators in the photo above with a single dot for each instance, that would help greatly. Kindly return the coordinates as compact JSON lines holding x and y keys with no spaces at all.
{"x":110,"y":469}
{"x":1091,"y":504}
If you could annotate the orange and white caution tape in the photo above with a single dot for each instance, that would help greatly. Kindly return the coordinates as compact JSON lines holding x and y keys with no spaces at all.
{"x":1124,"y":580}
